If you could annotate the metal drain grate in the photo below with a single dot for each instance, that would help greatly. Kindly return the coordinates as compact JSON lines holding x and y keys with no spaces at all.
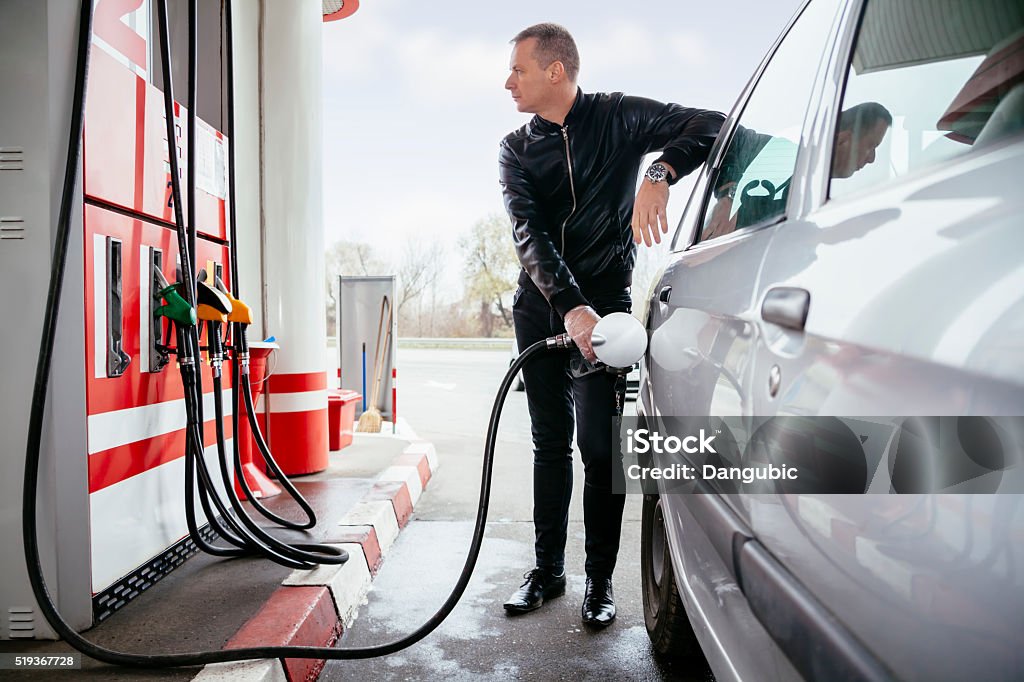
{"x":115,"y":597}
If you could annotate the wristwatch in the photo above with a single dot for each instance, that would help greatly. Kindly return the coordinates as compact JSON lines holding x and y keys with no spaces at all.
{"x":658,"y":172}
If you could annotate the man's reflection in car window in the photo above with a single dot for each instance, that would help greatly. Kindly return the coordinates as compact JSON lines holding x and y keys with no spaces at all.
{"x":753,"y":184}
{"x":860,"y":130}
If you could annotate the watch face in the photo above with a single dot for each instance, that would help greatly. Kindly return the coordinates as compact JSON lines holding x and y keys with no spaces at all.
{"x":657,"y":172}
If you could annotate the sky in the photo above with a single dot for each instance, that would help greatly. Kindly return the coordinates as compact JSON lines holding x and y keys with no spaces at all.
{"x":415,"y":105}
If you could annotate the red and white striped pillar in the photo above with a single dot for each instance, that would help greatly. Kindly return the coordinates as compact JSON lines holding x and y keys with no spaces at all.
{"x":293,"y":249}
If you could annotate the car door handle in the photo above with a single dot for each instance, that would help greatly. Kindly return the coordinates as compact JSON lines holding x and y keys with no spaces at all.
{"x":786,"y":307}
{"x":665,"y":294}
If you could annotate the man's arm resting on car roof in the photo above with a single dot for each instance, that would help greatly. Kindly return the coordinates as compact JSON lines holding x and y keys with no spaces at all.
{"x":684,"y":135}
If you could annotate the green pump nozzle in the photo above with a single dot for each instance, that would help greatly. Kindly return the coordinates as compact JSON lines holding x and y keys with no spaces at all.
{"x":175,"y":307}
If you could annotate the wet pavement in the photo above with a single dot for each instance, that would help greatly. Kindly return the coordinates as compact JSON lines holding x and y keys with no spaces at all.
{"x":478,"y":641}
{"x":447,"y":397}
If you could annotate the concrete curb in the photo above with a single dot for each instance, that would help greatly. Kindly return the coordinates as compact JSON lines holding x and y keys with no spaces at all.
{"x":312,"y":608}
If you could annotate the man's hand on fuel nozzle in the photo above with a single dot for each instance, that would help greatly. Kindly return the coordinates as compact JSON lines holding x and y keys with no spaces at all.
{"x":579,"y":324}
{"x":650,"y":211}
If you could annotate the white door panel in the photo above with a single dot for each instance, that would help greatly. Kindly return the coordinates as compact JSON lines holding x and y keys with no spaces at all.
{"x":916,"y":308}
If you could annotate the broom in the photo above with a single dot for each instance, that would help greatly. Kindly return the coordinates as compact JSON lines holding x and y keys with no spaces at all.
{"x":370,"y":419}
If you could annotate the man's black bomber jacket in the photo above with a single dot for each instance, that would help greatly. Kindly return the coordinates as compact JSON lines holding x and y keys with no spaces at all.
{"x":569,"y":189}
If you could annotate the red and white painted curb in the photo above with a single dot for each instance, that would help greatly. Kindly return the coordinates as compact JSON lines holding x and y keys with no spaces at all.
{"x":312,"y":608}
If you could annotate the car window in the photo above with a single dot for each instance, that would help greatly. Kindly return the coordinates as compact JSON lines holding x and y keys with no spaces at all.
{"x":927,"y":82}
{"x":753,"y":179}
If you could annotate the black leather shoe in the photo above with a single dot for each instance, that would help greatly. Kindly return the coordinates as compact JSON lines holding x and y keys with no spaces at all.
{"x":539,"y":585}
{"x":598,"y":603}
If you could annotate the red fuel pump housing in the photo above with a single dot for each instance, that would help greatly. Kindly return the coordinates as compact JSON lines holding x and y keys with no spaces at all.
{"x":135,"y":408}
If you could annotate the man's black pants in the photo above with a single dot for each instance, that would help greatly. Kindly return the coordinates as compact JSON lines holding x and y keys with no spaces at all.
{"x":552,"y":394}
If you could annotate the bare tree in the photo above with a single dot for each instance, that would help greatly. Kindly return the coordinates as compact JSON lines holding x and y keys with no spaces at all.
{"x":418,"y":270}
{"x":352,"y":259}
{"x":490,"y":267}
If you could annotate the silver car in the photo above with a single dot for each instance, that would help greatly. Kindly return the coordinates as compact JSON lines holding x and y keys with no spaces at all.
{"x":854,"y":247}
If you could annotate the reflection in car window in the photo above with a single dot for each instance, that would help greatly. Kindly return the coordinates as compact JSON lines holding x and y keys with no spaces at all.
{"x":945,"y":85}
{"x":753,"y":181}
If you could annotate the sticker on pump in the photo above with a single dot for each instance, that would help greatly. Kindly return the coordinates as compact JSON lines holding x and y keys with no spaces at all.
{"x":210,"y":162}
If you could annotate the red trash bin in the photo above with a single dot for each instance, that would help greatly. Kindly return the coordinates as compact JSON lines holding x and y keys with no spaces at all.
{"x":341,"y":415}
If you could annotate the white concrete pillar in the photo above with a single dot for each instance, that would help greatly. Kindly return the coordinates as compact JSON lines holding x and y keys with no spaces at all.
{"x":246,"y":141}
{"x":294,"y":231}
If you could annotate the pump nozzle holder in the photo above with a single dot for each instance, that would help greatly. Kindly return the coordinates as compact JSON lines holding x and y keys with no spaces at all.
{"x":161,"y":281}
{"x":240,"y":312}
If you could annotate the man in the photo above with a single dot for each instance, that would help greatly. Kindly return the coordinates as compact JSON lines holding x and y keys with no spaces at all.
{"x":567,"y":177}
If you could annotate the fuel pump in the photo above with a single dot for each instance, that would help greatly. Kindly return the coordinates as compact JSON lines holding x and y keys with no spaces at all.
{"x":619,"y":340}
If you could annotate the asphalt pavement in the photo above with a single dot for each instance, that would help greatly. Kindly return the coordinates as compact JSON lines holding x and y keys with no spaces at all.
{"x":447,"y":396}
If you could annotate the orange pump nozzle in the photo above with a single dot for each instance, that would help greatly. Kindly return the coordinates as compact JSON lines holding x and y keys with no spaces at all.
{"x":240,"y":312}
{"x":208,"y":313}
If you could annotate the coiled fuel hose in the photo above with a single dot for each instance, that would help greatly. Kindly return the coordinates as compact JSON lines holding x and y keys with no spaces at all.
{"x":32,"y":451}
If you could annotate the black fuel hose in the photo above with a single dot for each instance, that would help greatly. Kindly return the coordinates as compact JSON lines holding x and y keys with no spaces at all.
{"x":217,"y":359}
{"x":282,"y":479}
{"x":241,"y":530}
{"x":188,"y":349}
{"x":314,"y":553}
{"x":241,"y":371}
{"x":33,"y":450}
{"x":241,"y":346}
{"x":238,"y":331}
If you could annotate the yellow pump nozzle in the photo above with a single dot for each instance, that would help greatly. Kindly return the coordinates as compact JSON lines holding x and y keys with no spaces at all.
{"x":240,"y":312}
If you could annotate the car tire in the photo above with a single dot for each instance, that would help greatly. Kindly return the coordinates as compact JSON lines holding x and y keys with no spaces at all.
{"x":665,"y":616}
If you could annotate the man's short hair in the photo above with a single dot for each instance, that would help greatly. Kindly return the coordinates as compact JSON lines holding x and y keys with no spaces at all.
{"x":554,"y":44}
{"x":866,"y":116}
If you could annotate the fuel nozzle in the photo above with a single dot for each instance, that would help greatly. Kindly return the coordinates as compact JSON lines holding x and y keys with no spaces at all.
{"x":619,"y":340}
{"x":561,"y":341}
{"x":211,"y":304}
{"x":212,"y":307}
{"x":175,"y":307}
{"x":240,"y":312}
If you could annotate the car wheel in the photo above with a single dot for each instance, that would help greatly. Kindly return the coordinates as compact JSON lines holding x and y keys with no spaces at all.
{"x":664,"y":613}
